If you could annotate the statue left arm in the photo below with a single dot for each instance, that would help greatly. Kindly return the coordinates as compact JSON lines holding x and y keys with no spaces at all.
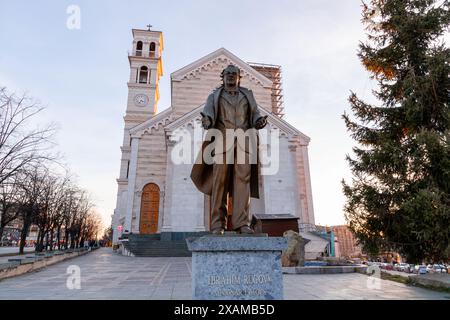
{"x":257,"y":120}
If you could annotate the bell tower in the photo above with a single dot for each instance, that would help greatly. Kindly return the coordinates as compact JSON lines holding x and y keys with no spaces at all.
{"x":143,"y":95}
{"x":145,"y":72}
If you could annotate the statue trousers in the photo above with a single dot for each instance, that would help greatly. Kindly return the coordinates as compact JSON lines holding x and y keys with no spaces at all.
{"x":233,"y":178}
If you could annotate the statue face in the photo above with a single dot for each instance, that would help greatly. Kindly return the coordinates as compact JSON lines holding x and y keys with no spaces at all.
{"x":230,"y":79}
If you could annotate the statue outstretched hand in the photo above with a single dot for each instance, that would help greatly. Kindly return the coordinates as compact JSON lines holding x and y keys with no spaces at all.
{"x":206,"y":121}
{"x":261,"y":122}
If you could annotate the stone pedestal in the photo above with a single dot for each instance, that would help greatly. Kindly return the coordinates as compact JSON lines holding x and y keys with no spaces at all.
{"x":237,"y":267}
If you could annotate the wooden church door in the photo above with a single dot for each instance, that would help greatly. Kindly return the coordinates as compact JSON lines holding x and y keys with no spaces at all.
{"x":149,"y":209}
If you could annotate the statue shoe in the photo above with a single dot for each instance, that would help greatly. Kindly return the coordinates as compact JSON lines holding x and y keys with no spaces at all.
{"x":218,"y":231}
{"x":246,"y":230}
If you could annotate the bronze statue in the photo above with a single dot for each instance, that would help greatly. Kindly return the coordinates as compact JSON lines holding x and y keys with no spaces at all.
{"x":230,"y":108}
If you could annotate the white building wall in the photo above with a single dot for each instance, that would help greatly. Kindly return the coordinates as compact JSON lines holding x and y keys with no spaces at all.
{"x":280,"y":189}
{"x":151,"y":168}
{"x":184,"y":203}
{"x":304,"y":185}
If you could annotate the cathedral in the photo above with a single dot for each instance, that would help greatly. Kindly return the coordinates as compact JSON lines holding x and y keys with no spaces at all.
{"x":155,"y":193}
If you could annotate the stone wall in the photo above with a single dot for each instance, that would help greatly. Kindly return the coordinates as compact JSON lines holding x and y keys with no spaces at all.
{"x":21,"y":266}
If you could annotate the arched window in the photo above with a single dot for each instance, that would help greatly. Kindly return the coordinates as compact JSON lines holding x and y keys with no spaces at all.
{"x":143,"y":74}
{"x":152,"y":49}
{"x":139,"y":48}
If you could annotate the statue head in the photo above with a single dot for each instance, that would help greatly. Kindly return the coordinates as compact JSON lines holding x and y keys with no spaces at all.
{"x":231,"y":77}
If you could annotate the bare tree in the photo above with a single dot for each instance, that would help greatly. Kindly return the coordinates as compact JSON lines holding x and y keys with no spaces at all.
{"x":48,"y":209}
{"x":91,"y":226}
{"x":59,"y":207}
{"x":54,"y":204}
{"x":55,"y":209}
{"x":69,"y":209}
{"x":107,"y":237}
{"x":79,"y":223}
{"x":9,"y":195}
{"x":21,"y":145}
{"x":32,"y":192}
{"x":29,"y":205}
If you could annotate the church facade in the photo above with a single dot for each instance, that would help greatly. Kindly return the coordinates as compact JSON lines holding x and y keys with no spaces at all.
{"x":155,"y":193}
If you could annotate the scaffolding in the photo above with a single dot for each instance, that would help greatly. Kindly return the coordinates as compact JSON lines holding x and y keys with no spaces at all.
{"x":273,"y":73}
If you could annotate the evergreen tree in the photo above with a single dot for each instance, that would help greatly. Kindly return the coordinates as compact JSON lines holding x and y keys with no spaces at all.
{"x":399,"y":198}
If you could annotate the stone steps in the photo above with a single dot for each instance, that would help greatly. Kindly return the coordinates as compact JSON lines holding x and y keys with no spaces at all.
{"x":160,"y":245}
{"x":143,"y":237}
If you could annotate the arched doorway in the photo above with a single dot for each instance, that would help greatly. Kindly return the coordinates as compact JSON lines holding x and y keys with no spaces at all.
{"x":149,"y":209}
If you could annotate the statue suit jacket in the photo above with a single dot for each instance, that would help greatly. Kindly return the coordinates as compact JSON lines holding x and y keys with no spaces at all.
{"x":201,"y":173}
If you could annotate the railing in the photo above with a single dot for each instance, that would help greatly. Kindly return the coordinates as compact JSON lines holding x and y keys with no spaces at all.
{"x":305,"y":227}
{"x":142,"y":53}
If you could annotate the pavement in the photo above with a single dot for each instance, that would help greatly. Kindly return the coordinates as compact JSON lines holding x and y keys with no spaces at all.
{"x":106,"y":275}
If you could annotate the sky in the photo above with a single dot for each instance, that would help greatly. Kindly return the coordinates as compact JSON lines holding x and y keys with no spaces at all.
{"x":80,"y":75}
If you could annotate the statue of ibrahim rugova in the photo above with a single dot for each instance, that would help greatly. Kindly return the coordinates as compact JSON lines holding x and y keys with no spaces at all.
{"x":232,"y":119}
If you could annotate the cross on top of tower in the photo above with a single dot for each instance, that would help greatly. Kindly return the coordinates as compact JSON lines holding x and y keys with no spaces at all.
{"x":149,"y":26}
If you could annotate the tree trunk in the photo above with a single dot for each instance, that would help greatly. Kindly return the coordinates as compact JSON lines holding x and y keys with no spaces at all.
{"x":72,"y":240}
{"x":2,"y":228}
{"x":38,"y":237}
{"x":40,"y":241}
{"x":23,"y":238}
{"x":24,"y":233}
{"x":51,"y":239}
{"x":66,"y":239}
{"x":46,"y":241}
{"x":58,"y":237}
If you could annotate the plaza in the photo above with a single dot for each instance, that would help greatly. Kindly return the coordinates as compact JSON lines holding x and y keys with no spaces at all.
{"x":106,"y":275}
